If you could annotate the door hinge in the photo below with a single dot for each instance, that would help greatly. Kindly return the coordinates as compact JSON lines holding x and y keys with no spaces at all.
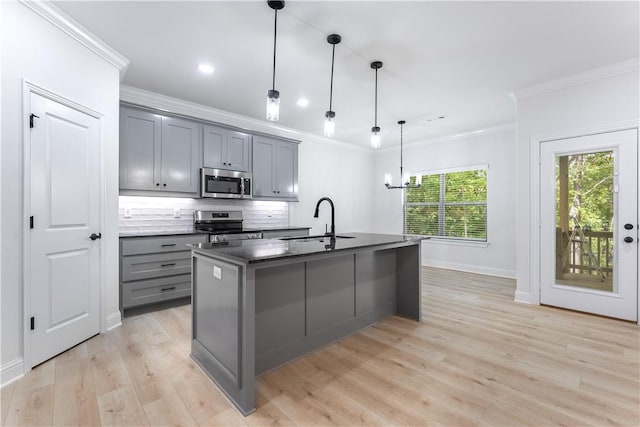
{"x":31,"y":125}
{"x":33,"y":323}
{"x":31,"y":222}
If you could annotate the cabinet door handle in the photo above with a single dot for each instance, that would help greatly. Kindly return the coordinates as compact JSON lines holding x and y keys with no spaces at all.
{"x":157,"y":184}
{"x":170,"y":288}
{"x":164,"y":185}
{"x":168,"y":265}
{"x":168,"y":244}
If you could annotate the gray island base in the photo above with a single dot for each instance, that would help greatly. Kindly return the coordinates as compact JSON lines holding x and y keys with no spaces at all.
{"x":259,"y":304}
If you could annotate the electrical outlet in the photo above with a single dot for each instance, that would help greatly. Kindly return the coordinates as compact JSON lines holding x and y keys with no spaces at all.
{"x":127,"y":212}
{"x":217,"y":272}
{"x":176,"y":212}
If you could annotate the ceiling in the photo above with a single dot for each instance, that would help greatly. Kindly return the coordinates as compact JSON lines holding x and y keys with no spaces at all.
{"x":460,"y":59}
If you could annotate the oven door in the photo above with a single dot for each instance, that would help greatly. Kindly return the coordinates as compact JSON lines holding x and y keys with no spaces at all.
{"x":223,"y":184}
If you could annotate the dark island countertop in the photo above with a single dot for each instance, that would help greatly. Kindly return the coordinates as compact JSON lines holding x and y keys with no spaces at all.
{"x":260,"y":250}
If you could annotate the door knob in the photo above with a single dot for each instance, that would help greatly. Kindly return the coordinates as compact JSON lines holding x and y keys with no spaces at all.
{"x":95,"y":236}
{"x":628,"y":239}
{"x":628,"y":226}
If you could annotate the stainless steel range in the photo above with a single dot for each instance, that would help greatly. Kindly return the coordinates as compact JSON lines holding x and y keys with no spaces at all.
{"x":223,"y":226}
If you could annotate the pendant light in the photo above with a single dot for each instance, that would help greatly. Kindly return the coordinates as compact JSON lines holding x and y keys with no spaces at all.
{"x":375,"y":130}
{"x":330,"y":116}
{"x":403,"y":179}
{"x":273,"y":96}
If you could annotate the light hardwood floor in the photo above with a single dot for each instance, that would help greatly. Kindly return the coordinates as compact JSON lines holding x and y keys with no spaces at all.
{"x":477,"y":359}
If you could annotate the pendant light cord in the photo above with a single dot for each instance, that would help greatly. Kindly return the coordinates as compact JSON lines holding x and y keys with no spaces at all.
{"x":376,"y":102}
{"x":275,"y":34}
{"x":401,"y":177}
{"x":333,"y":56}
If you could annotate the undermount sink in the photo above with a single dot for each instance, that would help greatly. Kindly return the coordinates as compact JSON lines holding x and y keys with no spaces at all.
{"x":320,"y":238}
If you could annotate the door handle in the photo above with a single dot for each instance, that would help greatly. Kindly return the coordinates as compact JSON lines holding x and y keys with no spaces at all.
{"x":628,"y":239}
{"x":628,"y":226}
{"x":95,"y":236}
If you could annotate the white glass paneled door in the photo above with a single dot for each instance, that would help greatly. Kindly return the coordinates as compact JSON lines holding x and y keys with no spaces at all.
{"x":589,"y":224}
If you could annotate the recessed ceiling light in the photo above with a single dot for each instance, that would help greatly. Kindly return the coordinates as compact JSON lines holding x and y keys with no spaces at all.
{"x":302,"y":102}
{"x":205,"y":68}
{"x":434,"y":117}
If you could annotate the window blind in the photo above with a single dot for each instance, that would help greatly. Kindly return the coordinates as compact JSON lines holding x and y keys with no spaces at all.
{"x":448,"y":205}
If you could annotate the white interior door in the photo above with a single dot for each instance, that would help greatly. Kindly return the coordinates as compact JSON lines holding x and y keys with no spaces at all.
{"x":589,"y":224}
{"x":63,"y":261}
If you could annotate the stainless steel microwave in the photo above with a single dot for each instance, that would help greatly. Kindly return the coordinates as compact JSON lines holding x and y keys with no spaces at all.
{"x":224,"y":184}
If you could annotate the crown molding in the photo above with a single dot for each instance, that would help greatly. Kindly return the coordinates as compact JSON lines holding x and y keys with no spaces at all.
{"x":628,"y":66}
{"x":75,"y":30}
{"x":453,"y":137}
{"x":156,"y":101}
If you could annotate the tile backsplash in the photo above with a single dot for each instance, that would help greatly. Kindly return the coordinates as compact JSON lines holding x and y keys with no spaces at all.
{"x":149,"y":215}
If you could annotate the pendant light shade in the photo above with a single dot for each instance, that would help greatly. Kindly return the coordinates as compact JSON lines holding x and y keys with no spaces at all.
{"x":329,"y":123}
{"x":273,"y":96}
{"x":273,"y":105}
{"x":405,"y":179}
{"x":375,"y":130}
{"x":330,"y":115}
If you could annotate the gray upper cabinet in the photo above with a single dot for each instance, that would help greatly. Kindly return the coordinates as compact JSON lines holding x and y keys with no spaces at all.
{"x":180,"y":155}
{"x":275,"y":169}
{"x":158,"y":153}
{"x":225,"y":149}
{"x":140,"y":167}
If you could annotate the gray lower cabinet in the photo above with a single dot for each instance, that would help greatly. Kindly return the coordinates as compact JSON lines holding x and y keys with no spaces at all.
{"x":158,"y":153}
{"x":155,"y":268}
{"x":225,"y":149}
{"x":275,"y":169}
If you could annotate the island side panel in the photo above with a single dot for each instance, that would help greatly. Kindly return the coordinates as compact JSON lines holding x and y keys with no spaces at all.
{"x":222,"y":343}
{"x":330,"y":287}
{"x":376,"y":283}
{"x":280,"y":307}
{"x":409,"y":282}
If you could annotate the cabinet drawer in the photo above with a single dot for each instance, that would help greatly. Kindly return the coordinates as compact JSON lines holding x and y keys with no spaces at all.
{"x":157,"y":244}
{"x":137,"y":267}
{"x":155,"y":290}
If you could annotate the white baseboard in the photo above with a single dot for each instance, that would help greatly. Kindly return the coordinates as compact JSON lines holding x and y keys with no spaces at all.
{"x":113,"y":320}
{"x":509,"y":274}
{"x":11,"y":371}
{"x":523,"y":297}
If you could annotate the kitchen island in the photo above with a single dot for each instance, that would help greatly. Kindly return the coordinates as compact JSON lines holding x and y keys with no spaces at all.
{"x":258,"y":304}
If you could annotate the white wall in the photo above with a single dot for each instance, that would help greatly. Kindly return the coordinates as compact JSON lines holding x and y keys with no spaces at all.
{"x":494,"y":147}
{"x":599,"y":98}
{"x":340,"y":172}
{"x":35,"y":50}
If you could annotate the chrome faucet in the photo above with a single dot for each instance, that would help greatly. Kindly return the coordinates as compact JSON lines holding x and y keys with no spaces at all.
{"x":333,"y":216}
